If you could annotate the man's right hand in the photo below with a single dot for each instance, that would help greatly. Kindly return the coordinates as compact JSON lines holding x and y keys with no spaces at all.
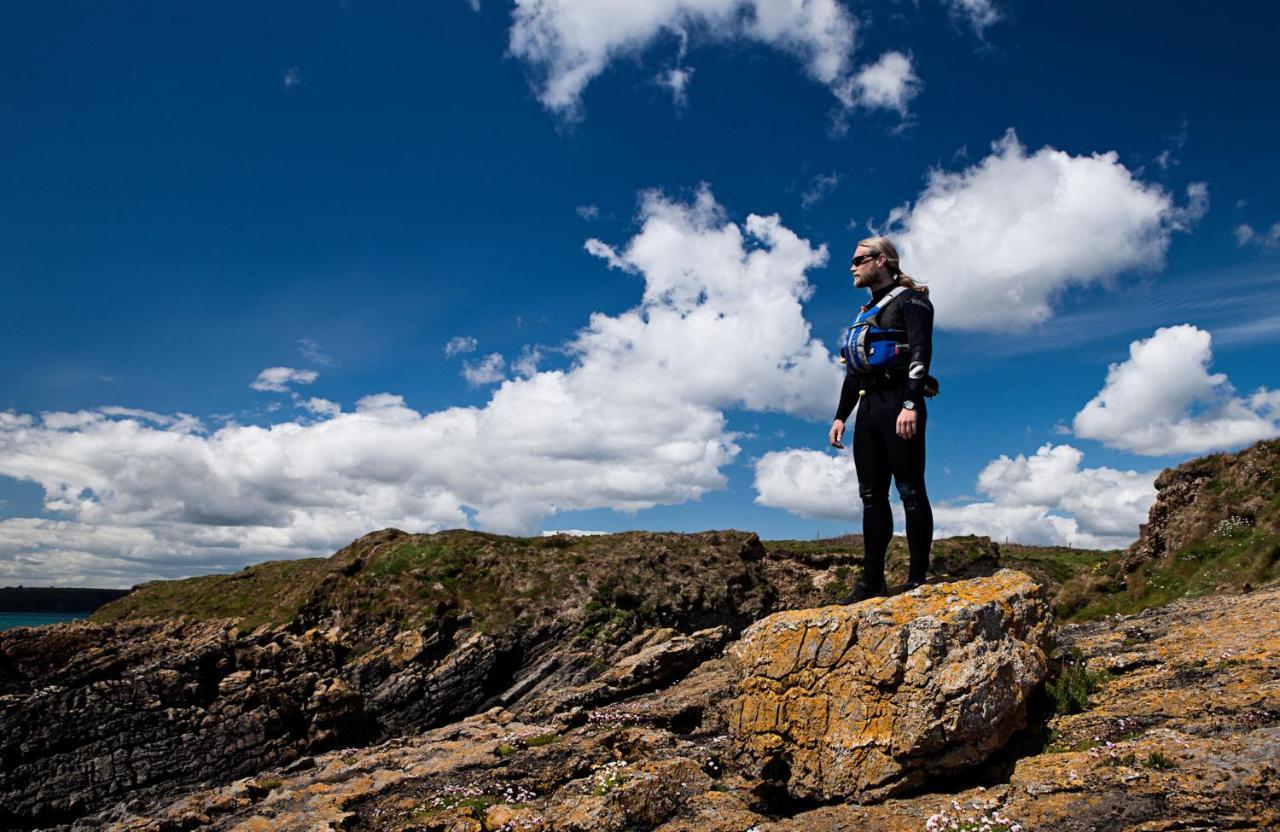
{"x":836,"y":434}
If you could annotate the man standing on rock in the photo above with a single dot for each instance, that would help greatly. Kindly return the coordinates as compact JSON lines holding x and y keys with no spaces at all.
{"x":886,"y":353}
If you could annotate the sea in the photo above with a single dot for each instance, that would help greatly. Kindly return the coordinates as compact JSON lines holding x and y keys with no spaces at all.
{"x":9,"y":620}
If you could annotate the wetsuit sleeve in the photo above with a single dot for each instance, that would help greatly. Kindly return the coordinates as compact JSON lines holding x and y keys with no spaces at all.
{"x":918,"y":312}
{"x":848,"y":397}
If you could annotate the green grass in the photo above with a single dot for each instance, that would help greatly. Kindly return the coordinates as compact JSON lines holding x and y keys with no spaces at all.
{"x":1071,"y":688}
{"x":842,"y":585}
{"x":265,"y":593}
{"x":542,"y":739}
{"x":1200,"y":569}
{"x":415,"y":558}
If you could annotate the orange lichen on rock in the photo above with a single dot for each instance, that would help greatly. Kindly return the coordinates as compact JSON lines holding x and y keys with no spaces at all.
{"x":865,"y":701}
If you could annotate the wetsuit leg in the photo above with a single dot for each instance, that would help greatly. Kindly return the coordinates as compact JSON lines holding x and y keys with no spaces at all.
{"x":906,"y":459}
{"x":871,"y":460}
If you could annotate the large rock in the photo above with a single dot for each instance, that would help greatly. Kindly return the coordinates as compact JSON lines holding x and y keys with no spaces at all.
{"x":866,"y":701}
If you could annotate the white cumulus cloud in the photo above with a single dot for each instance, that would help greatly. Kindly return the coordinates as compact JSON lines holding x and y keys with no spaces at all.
{"x":1045,"y":499}
{"x":890,"y":82}
{"x":635,"y":420}
{"x":808,"y":483}
{"x":1104,"y":502}
{"x":998,"y":241}
{"x":568,"y":43}
{"x":278,"y":379}
{"x":1163,"y":400}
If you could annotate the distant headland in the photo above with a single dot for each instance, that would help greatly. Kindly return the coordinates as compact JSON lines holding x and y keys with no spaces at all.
{"x":56,"y":598}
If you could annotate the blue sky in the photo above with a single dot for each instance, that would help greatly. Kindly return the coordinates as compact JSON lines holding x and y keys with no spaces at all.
{"x":192,"y":196}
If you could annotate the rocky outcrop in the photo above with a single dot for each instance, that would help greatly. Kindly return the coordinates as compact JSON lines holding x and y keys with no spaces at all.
{"x":1180,"y":734}
{"x":94,"y":714}
{"x":651,"y":660}
{"x":1214,"y":496}
{"x":591,"y":683}
{"x":393,"y":635}
{"x":866,"y":701}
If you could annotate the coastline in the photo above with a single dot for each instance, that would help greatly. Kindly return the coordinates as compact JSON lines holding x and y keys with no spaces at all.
{"x":9,"y":620}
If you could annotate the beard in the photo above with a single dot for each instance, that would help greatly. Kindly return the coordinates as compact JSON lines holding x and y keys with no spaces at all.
{"x":865,"y":279}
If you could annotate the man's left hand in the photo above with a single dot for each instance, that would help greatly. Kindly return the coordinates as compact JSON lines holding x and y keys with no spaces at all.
{"x":907,"y":424}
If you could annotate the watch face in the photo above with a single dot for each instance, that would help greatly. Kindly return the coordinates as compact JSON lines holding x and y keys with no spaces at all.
{"x":909,"y":405}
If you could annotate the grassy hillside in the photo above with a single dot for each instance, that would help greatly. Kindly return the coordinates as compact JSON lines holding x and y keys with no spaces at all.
{"x":270,"y":592}
{"x":606,"y":585}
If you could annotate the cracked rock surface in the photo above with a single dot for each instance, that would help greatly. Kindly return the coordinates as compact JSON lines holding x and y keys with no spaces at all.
{"x":867,"y":701}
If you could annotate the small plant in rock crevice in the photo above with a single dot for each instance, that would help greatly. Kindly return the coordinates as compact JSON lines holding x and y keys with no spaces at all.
{"x":962,"y":820}
{"x":1074,"y":684}
{"x":542,"y":739}
{"x":608,"y":777}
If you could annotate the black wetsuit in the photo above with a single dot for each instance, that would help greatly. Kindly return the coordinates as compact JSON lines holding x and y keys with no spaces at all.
{"x":879,"y":453}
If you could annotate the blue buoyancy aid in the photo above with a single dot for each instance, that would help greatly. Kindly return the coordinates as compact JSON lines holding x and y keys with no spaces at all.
{"x":866,"y":348}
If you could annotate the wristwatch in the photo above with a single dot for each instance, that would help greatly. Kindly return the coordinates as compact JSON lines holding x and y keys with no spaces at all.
{"x":908,"y":405}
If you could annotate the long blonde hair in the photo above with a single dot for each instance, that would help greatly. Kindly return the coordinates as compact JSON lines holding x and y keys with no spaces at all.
{"x":882,"y":245}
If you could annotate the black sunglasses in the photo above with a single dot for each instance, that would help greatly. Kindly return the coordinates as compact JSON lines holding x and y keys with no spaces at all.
{"x":862,"y":258}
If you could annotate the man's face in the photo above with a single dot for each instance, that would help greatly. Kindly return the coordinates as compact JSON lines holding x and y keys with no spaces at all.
{"x":865,"y":267}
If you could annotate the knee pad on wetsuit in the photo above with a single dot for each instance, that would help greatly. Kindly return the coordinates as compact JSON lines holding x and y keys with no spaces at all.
{"x":912,"y":497}
{"x":870,"y":497}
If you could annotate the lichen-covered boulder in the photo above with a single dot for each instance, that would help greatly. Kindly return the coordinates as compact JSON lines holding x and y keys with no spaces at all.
{"x":865,"y":701}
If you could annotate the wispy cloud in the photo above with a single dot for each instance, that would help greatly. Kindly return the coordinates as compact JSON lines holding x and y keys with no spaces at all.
{"x":312,"y":351}
{"x":488,"y":370}
{"x":460,"y":345}
{"x":676,"y":80}
{"x":821,"y":185}
{"x":1246,"y":236}
{"x":278,"y":379}
{"x":527,"y":364}
{"x":1249,"y":331}
{"x":1174,"y":143}
{"x":979,"y":14}
{"x":322,"y":407}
